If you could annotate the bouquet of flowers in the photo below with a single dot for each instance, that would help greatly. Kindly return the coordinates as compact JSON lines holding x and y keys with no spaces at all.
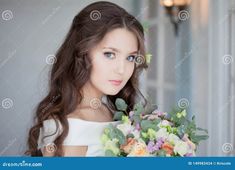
{"x":150,"y":132}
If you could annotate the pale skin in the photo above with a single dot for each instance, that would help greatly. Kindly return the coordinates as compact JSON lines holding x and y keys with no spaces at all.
{"x":112,"y":59}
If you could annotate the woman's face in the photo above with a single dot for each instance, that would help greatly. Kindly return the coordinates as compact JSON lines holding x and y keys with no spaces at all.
{"x":113,"y":61}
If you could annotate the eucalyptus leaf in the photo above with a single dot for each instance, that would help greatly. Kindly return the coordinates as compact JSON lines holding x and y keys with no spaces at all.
{"x":205,"y":130}
{"x":130,"y":135}
{"x":161,"y":153}
{"x":116,"y":133}
{"x":197,"y":138}
{"x":109,"y":153}
{"x":120,"y":136}
{"x":121,"y":104}
{"x":138,"y":108}
{"x":118,"y":115}
{"x":136,"y":118}
{"x":150,"y":108}
{"x":147,"y":124}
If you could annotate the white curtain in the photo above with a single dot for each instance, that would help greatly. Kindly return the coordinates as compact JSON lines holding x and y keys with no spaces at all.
{"x":213,"y":97}
{"x":197,"y":65}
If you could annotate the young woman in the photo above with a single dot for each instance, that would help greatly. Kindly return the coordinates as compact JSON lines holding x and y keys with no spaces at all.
{"x":99,"y":61}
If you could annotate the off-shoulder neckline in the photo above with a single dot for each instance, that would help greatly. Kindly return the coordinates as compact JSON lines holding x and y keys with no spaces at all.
{"x":93,"y":122}
{"x":86,"y":121}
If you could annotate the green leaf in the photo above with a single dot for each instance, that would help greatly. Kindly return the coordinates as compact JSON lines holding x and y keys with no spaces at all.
{"x":109,"y":153}
{"x":120,"y":136}
{"x":136,"y":118}
{"x":116,"y":133}
{"x":130,"y":135}
{"x":204,"y":130}
{"x":197,"y":138}
{"x":147,"y":124}
{"x":180,"y":131}
{"x":148,"y":57}
{"x":121,"y":104}
{"x":161,"y":153}
{"x":149,"y":108}
{"x":138,"y":108}
{"x":193,"y":118}
{"x":118,"y":115}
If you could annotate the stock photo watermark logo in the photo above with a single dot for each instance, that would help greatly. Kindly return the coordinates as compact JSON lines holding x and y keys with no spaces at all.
{"x":183,"y":103}
{"x":181,"y":61}
{"x":22,"y":164}
{"x":9,"y":144}
{"x":227,"y":147}
{"x":183,"y":15}
{"x":7,"y":103}
{"x":51,"y":148}
{"x":51,"y":59}
{"x":139,"y":59}
{"x":95,"y":103}
{"x":9,"y":56}
{"x":227,"y":59}
{"x":54,"y":99}
{"x":142,"y":11}
{"x":7,"y":15}
{"x":54,"y":11}
{"x":95,"y":15}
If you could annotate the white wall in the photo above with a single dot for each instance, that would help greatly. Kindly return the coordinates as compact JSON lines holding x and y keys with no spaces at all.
{"x":35,"y":31}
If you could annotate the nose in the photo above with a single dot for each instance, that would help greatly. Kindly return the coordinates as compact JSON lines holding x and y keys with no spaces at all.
{"x":120,"y":66}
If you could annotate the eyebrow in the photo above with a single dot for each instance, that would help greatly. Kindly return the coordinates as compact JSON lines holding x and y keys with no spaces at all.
{"x":116,"y":50}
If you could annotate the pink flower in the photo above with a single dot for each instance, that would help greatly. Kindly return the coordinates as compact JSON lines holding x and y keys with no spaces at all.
{"x":189,"y":142}
{"x":137,"y":127}
{"x":131,"y":113}
{"x":159,"y":113}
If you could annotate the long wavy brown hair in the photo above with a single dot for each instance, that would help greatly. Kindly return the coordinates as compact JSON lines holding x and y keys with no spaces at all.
{"x":72,"y":68}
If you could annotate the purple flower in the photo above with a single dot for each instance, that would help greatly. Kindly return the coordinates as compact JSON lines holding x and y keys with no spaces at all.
{"x":152,"y":146}
{"x":131,"y":113}
{"x":159,"y":142}
{"x":158,"y":113}
{"x":188,"y":155}
{"x":137,"y":126}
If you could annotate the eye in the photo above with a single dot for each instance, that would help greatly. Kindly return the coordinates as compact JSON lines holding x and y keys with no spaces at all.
{"x":109,"y":55}
{"x":131,"y":58}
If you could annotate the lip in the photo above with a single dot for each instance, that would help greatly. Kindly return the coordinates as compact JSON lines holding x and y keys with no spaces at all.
{"x":116,"y":82}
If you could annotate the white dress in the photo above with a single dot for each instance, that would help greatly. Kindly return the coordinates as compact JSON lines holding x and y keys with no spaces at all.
{"x":81,"y":133}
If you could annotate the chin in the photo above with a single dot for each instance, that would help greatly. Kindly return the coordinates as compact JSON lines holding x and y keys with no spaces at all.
{"x":112,"y":92}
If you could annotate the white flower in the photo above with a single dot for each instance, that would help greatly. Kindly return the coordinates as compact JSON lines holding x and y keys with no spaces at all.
{"x":189,"y":142}
{"x":112,"y":145}
{"x":172,"y":138}
{"x":164,"y":123}
{"x":136,"y":134}
{"x":126,"y":128}
{"x":181,"y":148}
{"x":162,"y":133}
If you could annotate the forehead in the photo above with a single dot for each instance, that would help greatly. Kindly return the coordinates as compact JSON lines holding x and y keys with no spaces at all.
{"x":121,"y":39}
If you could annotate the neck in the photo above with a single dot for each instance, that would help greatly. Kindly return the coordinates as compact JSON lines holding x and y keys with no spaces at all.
{"x":91,"y":96}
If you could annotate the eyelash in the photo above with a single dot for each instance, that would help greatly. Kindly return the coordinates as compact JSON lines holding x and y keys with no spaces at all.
{"x":133,"y":57}
{"x":108,"y":53}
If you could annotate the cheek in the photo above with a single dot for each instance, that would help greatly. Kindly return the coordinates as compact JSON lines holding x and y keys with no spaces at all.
{"x":129,"y":72}
{"x":99,"y":69}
